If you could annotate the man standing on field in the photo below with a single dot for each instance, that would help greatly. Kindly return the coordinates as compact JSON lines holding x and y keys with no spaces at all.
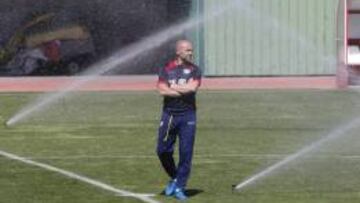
{"x":178,"y":82}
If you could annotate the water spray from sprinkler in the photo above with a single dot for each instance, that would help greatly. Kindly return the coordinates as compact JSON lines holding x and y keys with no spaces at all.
{"x":119,"y":58}
{"x":338,"y":132}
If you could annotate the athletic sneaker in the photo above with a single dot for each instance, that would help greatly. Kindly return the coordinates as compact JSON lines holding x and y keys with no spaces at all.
{"x":170,"y":188}
{"x":179,"y":194}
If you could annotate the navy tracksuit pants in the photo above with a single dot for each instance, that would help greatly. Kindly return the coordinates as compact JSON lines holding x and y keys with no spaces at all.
{"x":172,"y":126}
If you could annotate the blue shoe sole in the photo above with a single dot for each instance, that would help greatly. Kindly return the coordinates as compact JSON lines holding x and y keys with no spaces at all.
{"x":180,"y":195}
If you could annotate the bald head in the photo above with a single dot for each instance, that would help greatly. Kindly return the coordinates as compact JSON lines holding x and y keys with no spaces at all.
{"x":181,"y":44}
{"x":184,"y":51}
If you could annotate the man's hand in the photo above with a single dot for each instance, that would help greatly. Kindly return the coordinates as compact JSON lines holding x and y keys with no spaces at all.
{"x":165,"y":90}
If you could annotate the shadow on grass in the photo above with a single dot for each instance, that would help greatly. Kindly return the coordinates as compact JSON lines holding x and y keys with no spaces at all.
{"x":193,"y":192}
{"x":189,"y":192}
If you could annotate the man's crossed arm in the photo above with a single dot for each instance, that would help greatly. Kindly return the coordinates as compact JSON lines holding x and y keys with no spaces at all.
{"x":176,"y":90}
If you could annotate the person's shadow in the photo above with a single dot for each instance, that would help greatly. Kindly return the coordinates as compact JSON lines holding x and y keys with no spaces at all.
{"x":189,"y":192}
{"x":193,"y":192}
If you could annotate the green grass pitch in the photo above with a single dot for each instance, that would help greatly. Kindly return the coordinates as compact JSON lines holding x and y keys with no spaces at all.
{"x":111,"y":137}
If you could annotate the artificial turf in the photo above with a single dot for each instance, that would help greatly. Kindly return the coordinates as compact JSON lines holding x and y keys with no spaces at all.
{"x":111,"y":137}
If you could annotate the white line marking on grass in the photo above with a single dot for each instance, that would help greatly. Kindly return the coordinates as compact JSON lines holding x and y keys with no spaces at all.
{"x":144,"y":195}
{"x":81,"y":178}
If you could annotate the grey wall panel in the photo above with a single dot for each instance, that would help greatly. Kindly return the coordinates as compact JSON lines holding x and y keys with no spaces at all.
{"x":271,"y":37}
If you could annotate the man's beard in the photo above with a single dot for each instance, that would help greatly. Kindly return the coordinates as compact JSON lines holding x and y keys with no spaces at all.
{"x":188,"y":58}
